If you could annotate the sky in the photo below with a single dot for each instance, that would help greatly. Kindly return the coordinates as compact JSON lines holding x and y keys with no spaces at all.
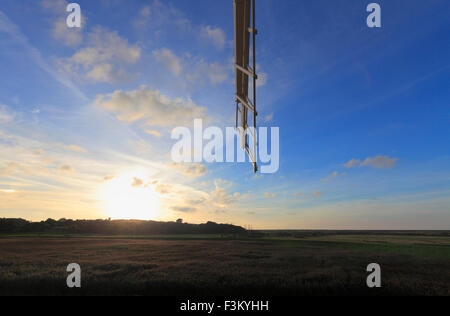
{"x":86,"y":114}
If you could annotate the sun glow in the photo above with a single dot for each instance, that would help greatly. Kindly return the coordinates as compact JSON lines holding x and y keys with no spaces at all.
{"x":128,"y":197}
{"x":8,"y":191}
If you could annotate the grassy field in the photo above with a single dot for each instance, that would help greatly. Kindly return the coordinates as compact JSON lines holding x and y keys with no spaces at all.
{"x":209,"y":265}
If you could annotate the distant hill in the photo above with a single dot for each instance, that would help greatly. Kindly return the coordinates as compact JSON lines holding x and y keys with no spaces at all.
{"x":114,"y":227}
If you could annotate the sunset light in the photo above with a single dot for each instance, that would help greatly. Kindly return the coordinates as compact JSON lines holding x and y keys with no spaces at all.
{"x":128,"y":197}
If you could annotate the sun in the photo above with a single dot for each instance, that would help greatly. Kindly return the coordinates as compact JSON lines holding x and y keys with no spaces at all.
{"x":128,"y":197}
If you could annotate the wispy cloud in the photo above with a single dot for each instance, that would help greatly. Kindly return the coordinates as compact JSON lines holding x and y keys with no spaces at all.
{"x":5,"y":115}
{"x":378,"y":162}
{"x":163,"y":188}
{"x":143,"y":18}
{"x":268,"y":118}
{"x":137,"y":183}
{"x":153,"y":133}
{"x":192,"y":170}
{"x":169,"y":60}
{"x":75,"y":148}
{"x":183,"y":209}
{"x":104,"y":58}
{"x":68,"y":36}
{"x":215,"y":34}
{"x":220,"y":197}
{"x":317,"y":194}
{"x":66,"y":169}
{"x":150,"y":107}
{"x":195,"y":70}
{"x":331,"y":177}
{"x":54,"y":6}
{"x":8,"y":27}
{"x":352,"y":163}
{"x":159,"y":16}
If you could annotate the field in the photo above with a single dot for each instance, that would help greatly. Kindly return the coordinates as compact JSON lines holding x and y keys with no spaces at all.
{"x":313,"y":264}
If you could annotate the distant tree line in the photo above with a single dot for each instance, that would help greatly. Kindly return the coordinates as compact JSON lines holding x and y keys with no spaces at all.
{"x":114,"y":227}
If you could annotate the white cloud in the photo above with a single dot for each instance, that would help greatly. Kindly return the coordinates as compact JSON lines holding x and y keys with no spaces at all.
{"x":192,"y":170}
{"x":66,"y":169}
{"x":180,"y":198}
{"x":169,"y":60}
{"x":68,"y":36}
{"x":54,"y":6}
{"x":378,"y":162}
{"x":262,"y":79}
{"x":108,"y":178}
{"x":137,"y":183}
{"x":153,"y":133}
{"x":105,"y":58}
{"x":268,"y":118}
{"x":160,"y":16}
{"x":143,"y":18}
{"x":101,"y":73}
{"x":331,"y":177}
{"x":163,"y":188}
{"x":5,"y":115}
{"x":215,"y":34}
{"x":223,"y":183}
{"x":317,"y":194}
{"x":75,"y":148}
{"x":183,"y":209}
{"x":220,"y":197}
{"x":10,"y":168}
{"x":198,"y":201}
{"x":150,"y":107}
{"x":194,"y":70}
{"x":215,"y":73}
{"x":352,"y":163}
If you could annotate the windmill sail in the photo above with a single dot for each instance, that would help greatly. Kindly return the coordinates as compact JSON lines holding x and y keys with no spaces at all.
{"x":244,"y":30}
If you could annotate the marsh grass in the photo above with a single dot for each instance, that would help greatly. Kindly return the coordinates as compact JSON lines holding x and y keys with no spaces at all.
{"x":202,"y":266}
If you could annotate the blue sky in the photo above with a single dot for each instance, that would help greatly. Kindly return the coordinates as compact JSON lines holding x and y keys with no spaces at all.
{"x":86,"y":114}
